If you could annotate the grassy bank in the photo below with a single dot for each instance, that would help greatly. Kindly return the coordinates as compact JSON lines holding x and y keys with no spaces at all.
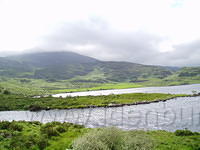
{"x":60,"y":136}
{"x":102,"y":86}
{"x":30,"y":87}
{"x":16,"y":102}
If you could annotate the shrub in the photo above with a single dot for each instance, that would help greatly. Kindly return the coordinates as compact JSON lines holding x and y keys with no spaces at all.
{"x":6,"y":92}
{"x":52,"y":129}
{"x":113,"y":139}
{"x":5,"y":134}
{"x":60,"y":129}
{"x":35,"y":107}
{"x":183,"y":133}
{"x":137,"y":140}
{"x":25,"y":81}
{"x":24,"y":142}
{"x":17,"y":142}
{"x":15,"y":127}
{"x":36,"y":122}
{"x":4,"y":125}
{"x":43,"y":143}
{"x":29,"y":141}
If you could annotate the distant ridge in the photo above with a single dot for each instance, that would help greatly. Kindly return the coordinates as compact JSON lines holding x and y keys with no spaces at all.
{"x":78,"y":68}
{"x":41,"y":59}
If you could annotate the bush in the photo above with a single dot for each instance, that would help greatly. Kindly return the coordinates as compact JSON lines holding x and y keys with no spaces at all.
{"x":24,"y":142}
{"x":137,"y":140}
{"x":52,"y":129}
{"x":6,"y":92}
{"x":113,"y":139}
{"x":17,"y":142}
{"x":36,"y":122}
{"x":60,"y":129}
{"x":43,"y":143}
{"x":29,"y":141}
{"x":35,"y":107}
{"x":183,"y":133}
{"x":4,"y":125}
{"x":5,"y":134}
{"x":15,"y":127}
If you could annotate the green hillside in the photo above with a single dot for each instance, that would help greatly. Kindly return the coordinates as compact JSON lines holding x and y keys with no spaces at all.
{"x":49,"y":72}
{"x":67,"y":65}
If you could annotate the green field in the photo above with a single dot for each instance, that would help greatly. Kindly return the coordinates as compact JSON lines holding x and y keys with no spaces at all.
{"x":16,"y":102}
{"x":61,"y":136}
{"x":30,"y":87}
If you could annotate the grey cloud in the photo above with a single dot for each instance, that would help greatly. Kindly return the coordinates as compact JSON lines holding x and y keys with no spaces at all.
{"x":185,"y":54}
{"x":138,"y":47}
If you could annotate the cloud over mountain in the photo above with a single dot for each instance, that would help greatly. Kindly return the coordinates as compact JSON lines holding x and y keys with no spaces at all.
{"x":161,"y":32}
{"x":96,"y":39}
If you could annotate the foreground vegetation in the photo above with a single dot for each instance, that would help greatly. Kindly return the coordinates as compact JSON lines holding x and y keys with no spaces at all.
{"x":61,"y":136}
{"x":34,"y":135}
{"x":16,"y":102}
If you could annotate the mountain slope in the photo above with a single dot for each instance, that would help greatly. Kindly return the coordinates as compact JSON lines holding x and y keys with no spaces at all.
{"x":12,"y":68}
{"x":53,"y":66}
{"x":49,"y":59}
{"x":125,"y":71}
{"x":56,"y":72}
{"x":68,"y":65}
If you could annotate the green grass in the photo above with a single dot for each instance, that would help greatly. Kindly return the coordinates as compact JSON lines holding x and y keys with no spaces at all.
{"x":169,"y":141}
{"x":36,"y":136}
{"x":65,"y":140}
{"x":17,"y":102}
{"x":171,"y":81}
{"x":61,"y":136}
{"x":103,"y":86}
{"x":42,"y":87}
{"x":30,"y":87}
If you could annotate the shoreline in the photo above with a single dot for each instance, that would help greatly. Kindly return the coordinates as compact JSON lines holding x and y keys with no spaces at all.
{"x":91,"y":90}
{"x":36,"y":107}
{"x":118,"y":105}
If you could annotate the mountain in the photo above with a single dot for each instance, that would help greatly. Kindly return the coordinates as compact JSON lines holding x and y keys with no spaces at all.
{"x":48,"y":59}
{"x":78,"y":68}
{"x":12,"y":68}
{"x":189,"y":72}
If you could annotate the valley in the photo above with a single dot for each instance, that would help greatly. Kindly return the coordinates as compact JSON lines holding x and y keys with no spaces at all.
{"x":33,"y":74}
{"x":38,"y":110}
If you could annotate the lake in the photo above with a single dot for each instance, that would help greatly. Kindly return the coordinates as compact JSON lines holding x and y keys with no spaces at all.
{"x":181,"y":89}
{"x":177,"y":113}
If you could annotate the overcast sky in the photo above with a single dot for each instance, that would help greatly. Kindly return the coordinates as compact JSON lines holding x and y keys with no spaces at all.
{"x":159,"y":32}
